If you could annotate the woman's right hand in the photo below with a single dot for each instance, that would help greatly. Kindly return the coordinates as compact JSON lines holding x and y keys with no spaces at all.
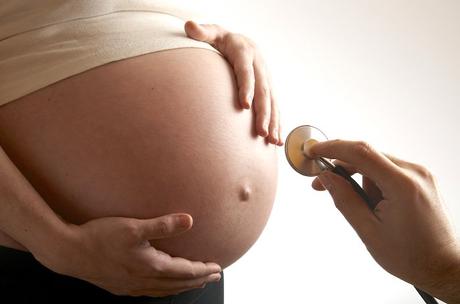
{"x":114,"y":253}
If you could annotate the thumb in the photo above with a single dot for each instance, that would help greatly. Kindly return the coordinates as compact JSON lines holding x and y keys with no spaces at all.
{"x":350,"y":204}
{"x":209,"y":33}
{"x":165,"y":226}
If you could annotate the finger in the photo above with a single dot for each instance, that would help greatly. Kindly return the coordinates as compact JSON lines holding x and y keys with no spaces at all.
{"x":209,"y":33}
{"x":180,"y":268}
{"x":371,"y":189}
{"x":402,"y":163}
{"x":165,"y":226}
{"x":274,"y":121}
{"x":351,"y":205}
{"x":363,"y":157}
{"x":280,"y":137}
{"x":174,"y":286}
{"x":369,"y":186}
{"x":193,"y":283}
{"x":316,"y":184}
{"x":244,"y":72}
{"x":414,"y":170}
{"x":274,"y":127}
{"x":262,"y":99}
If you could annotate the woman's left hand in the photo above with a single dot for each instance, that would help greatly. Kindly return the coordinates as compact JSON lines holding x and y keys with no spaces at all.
{"x":254,"y":84}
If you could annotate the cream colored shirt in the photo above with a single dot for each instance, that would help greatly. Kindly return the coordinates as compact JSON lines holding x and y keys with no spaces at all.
{"x":42,"y":42}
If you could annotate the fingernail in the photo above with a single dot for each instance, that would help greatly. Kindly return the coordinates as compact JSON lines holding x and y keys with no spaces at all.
{"x":183,"y":220}
{"x":215,"y":268}
{"x":249,"y":98}
{"x":280,"y":142}
{"x":325,"y":180}
{"x":264,"y":129}
{"x":214,"y":277}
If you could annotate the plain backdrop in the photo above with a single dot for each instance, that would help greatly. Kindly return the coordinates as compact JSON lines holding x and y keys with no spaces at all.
{"x":387,"y":72}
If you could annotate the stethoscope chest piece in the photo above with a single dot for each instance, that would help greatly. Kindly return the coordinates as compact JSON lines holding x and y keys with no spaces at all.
{"x":295,"y":150}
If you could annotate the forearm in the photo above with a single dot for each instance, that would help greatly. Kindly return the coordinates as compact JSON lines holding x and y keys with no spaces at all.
{"x":24,"y":215}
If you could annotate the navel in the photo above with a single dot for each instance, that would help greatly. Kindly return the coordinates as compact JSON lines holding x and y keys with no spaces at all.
{"x":245,"y":193}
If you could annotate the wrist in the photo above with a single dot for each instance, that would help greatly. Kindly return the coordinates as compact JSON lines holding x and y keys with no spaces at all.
{"x":444,"y":281}
{"x":57,"y":248}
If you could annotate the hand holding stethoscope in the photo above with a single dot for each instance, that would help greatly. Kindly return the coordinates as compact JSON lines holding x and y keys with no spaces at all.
{"x":398,"y":213}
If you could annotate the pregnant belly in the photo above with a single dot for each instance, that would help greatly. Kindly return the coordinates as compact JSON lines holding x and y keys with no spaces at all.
{"x":144,"y":137}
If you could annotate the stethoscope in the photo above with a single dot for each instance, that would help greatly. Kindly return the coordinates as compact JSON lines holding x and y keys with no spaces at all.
{"x":297,"y":146}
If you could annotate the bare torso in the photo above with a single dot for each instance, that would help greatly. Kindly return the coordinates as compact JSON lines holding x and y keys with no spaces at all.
{"x":148,"y":136}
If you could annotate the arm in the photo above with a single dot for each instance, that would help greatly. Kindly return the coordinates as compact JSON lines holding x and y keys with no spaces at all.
{"x":20,"y":203}
{"x":408,"y":233}
{"x":112,"y":253}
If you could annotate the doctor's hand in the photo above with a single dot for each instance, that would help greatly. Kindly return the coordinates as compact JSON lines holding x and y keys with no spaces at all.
{"x":408,"y":233}
{"x":254,"y":83}
{"x":114,"y":253}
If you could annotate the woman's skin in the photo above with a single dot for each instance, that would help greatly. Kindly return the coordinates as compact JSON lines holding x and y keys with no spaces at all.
{"x":114,"y":252}
{"x":408,"y":233}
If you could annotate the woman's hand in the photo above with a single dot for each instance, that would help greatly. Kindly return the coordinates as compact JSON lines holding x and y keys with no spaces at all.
{"x":408,"y":233}
{"x":254,"y":84}
{"x":115,"y":254}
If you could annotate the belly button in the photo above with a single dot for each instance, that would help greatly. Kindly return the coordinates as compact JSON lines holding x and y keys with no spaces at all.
{"x":245,"y":193}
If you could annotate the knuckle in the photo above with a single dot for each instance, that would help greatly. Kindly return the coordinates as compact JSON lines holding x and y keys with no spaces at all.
{"x":339,"y":204}
{"x":237,"y":37}
{"x":244,"y":70}
{"x":423,"y":172}
{"x":235,"y":41}
{"x":131,"y":230}
{"x":163,"y":227}
{"x":362,"y":149}
{"x":158,"y":267}
{"x":408,"y":182}
{"x":191,"y":273}
{"x":249,"y":43}
{"x":264,"y":91}
{"x":411,"y":187}
{"x":197,"y":284}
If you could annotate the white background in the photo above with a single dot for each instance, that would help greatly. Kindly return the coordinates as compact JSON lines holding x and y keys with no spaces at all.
{"x":387,"y":72}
